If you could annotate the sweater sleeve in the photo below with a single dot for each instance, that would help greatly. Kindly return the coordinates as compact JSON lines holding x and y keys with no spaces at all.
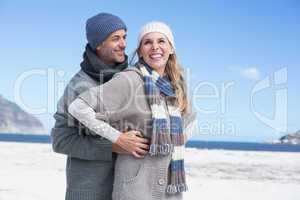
{"x":100,"y":105}
{"x":190,"y":122}
{"x":190,"y":130}
{"x":71,"y":138}
{"x":71,"y":142}
{"x":87,"y":116}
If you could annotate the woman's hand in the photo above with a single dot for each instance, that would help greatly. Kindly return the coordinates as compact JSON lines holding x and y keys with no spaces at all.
{"x":134,"y":143}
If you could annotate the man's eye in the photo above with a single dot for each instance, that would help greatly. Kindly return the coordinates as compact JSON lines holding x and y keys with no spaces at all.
{"x":115,"y":39}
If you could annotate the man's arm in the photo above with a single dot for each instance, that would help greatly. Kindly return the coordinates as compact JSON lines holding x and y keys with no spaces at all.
{"x":68,"y":141}
{"x":69,"y":137}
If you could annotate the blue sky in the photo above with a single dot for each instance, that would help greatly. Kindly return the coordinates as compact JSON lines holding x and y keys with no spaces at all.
{"x":229,"y":44}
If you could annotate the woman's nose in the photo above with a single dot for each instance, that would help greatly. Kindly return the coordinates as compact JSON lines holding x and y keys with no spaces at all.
{"x":154,"y":46}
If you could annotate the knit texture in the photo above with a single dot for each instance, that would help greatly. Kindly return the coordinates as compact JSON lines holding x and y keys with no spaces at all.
{"x":159,"y":27}
{"x":167,"y":132}
{"x":100,"y":26}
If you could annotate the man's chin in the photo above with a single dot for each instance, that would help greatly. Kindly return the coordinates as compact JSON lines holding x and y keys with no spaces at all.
{"x":120,"y":59}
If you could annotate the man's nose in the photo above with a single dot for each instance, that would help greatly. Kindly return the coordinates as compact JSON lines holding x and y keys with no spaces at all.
{"x":123,"y":43}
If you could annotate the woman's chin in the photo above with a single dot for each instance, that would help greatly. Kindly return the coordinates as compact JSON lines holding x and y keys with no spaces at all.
{"x":156,"y":65}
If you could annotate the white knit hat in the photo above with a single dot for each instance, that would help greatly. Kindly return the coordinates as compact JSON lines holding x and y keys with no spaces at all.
{"x":159,"y":27}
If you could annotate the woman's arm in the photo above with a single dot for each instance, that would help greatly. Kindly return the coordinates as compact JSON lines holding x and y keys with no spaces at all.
{"x":190,"y":122}
{"x":80,"y":110}
{"x":107,"y":99}
{"x":190,"y":130}
{"x":70,"y":138}
{"x":131,"y":141}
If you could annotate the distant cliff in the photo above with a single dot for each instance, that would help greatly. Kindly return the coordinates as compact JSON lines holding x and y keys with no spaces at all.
{"x":14,"y":120}
{"x":293,"y":138}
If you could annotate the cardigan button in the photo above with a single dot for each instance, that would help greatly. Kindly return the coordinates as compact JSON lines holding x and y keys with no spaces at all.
{"x":161,"y":181}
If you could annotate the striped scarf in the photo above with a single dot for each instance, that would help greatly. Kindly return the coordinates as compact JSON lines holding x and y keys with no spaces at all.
{"x":167,"y":132}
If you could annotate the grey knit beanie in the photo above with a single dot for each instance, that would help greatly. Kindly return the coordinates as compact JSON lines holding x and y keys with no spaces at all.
{"x":100,"y":26}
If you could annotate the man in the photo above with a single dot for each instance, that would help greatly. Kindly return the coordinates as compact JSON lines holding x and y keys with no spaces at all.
{"x":90,"y":162}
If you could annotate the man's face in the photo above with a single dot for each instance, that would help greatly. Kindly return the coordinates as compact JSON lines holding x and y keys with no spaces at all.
{"x":112,"y":50}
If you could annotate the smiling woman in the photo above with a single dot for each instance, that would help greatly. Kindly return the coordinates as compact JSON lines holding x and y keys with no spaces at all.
{"x":155,"y":49}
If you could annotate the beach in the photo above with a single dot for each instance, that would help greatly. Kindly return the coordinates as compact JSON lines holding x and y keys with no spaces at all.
{"x":34,"y":172}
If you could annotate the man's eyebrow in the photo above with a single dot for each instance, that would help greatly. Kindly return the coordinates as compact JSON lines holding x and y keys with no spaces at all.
{"x":117,"y":36}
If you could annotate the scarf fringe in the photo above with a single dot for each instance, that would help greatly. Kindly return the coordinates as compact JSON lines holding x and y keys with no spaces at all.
{"x":161,"y":149}
{"x":172,"y":189}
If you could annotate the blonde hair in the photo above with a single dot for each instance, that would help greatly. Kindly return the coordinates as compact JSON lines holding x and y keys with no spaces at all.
{"x":175,"y":73}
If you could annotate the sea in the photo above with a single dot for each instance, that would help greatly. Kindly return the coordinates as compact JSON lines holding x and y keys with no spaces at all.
{"x":199,"y":144}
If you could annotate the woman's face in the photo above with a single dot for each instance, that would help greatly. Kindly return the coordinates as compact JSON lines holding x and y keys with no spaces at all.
{"x":155,"y":49}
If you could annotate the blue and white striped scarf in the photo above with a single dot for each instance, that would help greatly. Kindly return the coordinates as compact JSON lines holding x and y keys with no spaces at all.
{"x":167,"y":132}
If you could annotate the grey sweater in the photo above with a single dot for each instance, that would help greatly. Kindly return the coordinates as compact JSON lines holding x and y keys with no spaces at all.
{"x":119,"y":105}
{"x":90,"y":161}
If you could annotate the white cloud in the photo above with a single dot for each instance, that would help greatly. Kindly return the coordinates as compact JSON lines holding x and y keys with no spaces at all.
{"x":251,"y":73}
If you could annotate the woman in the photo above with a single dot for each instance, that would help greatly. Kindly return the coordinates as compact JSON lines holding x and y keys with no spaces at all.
{"x":150,"y":100}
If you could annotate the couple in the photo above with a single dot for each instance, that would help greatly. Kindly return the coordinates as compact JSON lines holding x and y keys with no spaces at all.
{"x":124,"y":129}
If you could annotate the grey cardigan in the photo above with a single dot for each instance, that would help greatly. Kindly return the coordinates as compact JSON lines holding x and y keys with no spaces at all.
{"x":119,"y":105}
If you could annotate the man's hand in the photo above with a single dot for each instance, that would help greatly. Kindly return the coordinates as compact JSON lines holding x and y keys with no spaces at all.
{"x":119,"y":150}
{"x":132,"y":142}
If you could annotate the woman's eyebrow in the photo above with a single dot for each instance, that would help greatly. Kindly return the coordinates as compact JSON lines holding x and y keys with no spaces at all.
{"x":148,"y":39}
